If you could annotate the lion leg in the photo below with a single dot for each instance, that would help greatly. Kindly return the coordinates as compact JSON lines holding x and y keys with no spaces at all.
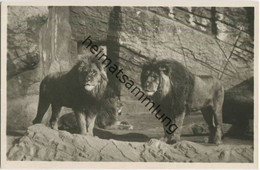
{"x":174,"y":137}
{"x":91,"y":123}
{"x":42,"y":109}
{"x":179,"y":122}
{"x":208,"y":117}
{"x":55,"y":116}
{"x":218,"y":116}
{"x":218,"y":134}
{"x":81,"y":120}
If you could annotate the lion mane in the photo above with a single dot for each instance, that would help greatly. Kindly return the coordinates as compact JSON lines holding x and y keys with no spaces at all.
{"x":178,"y":81}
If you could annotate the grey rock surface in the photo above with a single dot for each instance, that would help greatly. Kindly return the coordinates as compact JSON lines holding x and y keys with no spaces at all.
{"x":41,"y":143}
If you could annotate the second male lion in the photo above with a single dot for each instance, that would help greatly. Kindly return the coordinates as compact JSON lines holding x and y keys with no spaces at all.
{"x":178,"y":92}
{"x":81,"y":89}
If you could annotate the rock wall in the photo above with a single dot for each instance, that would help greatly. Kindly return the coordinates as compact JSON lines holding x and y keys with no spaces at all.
{"x":131,"y":35}
{"x":23,"y":63}
{"x":23,"y":28}
{"x":55,"y":42}
{"x":152,"y":32}
{"x":155,"y":33}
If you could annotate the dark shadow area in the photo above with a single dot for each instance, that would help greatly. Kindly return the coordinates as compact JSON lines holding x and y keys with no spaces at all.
{"x":104,"y":134}
{"x":238,"y":106}
{"x":238,"y":110}
{"x":15,"y":133}
{"x":131,"y":137}
{"x":240,"y":132}
{"x":190,"y":135}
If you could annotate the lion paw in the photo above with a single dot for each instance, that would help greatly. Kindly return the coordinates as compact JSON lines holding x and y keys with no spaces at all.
{"x":171,"y":142}
{"x":215,"y":140}
{"x":218,"y":142}
{"x":90,"y":134}
{"x":54,"y":126}
{"x":35,"y":121}
{"x":163,"y":139}
{"x":87,"y":133}
{"x":154,"y":142}
{"x":168,"y":140}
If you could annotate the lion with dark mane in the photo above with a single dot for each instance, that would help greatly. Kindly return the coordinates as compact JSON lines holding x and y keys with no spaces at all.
{"x":81,"y":89}
{"x":178,"y":92}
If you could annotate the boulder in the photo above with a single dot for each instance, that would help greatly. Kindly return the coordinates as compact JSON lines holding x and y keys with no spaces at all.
{"x":238,"y":106}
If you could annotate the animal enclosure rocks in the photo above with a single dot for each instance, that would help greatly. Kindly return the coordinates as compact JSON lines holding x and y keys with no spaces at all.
{"x":89,"y":20}
{"x":41,"y":143}
{"x":23,"y":63}
{"x":23,"y":28}
{"x":238,"y":105}
{"x":55,"y":42}
{"x":147,"y":34}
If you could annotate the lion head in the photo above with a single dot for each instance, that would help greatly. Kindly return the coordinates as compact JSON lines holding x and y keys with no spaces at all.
{"x":112,"y":102}
{"x":109,"y":112}
{"x":167,"y":81}
{"x":155,"y":79}
{"x":115,"y":104}
{"x":92,"y":76}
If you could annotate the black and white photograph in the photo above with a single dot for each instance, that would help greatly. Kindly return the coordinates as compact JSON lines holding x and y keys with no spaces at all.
{"x":129,"y":83}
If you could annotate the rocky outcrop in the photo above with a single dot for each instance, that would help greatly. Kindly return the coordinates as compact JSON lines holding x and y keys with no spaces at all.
{"x":238,"y":106}
{"x":44,"y":144}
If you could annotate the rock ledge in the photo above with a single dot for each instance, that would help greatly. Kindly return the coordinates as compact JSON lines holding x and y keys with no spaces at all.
{"x":44,"y":144}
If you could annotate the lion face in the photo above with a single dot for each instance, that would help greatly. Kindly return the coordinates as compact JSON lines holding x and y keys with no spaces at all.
{"x":111,"y":108}
{"x":90,"y":76}
{"x":150,"y":81}
{"x":116,"y":105}
{"x":155,"y":79}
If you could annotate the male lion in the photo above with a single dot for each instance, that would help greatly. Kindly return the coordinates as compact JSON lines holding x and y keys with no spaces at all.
{"x":81,"y":89}
{"x":178,"y":92}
